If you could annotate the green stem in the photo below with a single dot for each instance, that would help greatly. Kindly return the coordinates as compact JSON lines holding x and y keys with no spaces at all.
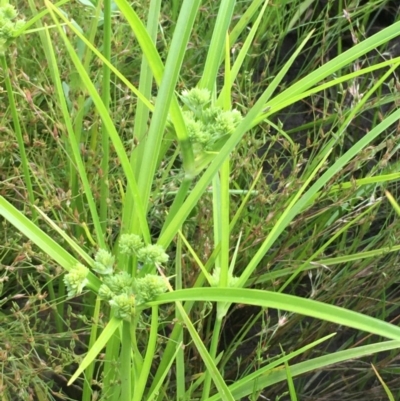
{"x":178,"y":201}
{"x":137,"y":356}
{"x":126,"y":369}
{"x":221,"y":217}
{"x":164,"y":98}
{"x":58,"y":312}
{"x":213,"y":353}
{"x":148,"y":359}
{"x":105,"y":140}
{"x":109,"y":373}
{"x":87,"y":385}
{"x":180,"y":357}
{"x":78,"y":201}
{"x":18,"y":133}
{"x":129,"y":215}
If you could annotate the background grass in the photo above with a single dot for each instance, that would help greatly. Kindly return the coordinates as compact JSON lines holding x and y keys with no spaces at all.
{"x":43,"y":335}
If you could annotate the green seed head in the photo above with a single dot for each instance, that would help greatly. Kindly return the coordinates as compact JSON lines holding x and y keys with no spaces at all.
{"x":105,"y":292}
{"x":216,"y":276}
{"x":130,"y":244}
{"x":152,"y":254}
{"x":149,"y":286}
{"x":76,"y":279}
{"x":104,"y":262}
{"x":8,"y":12}
{"x":119,"y":283}
{"x":123,"y":306}
{"x":196,"y":97}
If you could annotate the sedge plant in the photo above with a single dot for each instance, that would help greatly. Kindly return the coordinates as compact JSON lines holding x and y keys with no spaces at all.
{"x":189,"y":134}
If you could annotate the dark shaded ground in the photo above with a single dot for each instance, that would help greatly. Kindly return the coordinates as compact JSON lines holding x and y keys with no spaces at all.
{"x":305,"y":120}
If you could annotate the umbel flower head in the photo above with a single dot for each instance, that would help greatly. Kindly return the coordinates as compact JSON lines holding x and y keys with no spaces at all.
{"x":196,"y":97}
{"x":216,"y":276}
{"x":149,"y":286}
{"x":196,"y":129}
{"x":206,"y":124}
{"x":76,"y":279}
{"x":123,"y":292}
{"x":152,"y":254}
{"x":8,"y":27}
{"x":8,"y":12}
{"x":104,"y":262}
{"x":130,"y":244}
{"x":105,"y":292}
{"x":119,"y":283}
{"x":123,"y":306}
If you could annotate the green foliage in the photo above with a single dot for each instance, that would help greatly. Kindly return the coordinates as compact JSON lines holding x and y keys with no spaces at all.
{"x":8,"y":27}
{"x":255,"y":181}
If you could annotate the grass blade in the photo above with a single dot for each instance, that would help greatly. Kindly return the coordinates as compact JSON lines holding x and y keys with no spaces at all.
{"x":100,"y":343}
{"x":268,"y":299}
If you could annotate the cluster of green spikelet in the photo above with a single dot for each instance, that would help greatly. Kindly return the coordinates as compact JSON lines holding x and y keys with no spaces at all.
{"x":207,"y":124}
{"x":8,"y":25}
{"x":120,"y":289}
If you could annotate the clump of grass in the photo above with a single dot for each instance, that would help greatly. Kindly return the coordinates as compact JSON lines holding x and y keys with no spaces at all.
{"x":140,"y":160}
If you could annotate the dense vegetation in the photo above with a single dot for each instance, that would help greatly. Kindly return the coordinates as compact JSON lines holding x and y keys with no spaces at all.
{"x":198,"y":200}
